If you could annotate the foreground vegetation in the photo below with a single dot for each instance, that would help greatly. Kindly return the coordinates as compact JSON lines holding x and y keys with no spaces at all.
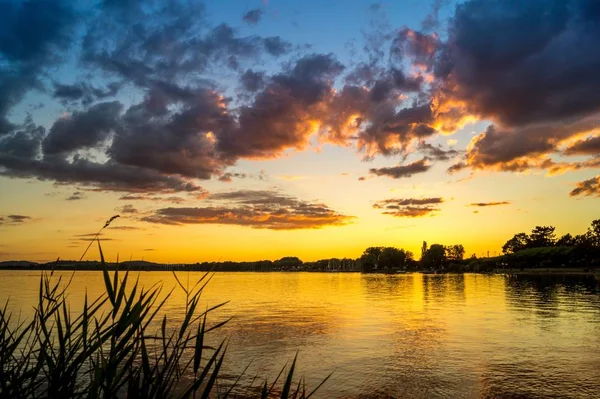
{"x":111,"y":349}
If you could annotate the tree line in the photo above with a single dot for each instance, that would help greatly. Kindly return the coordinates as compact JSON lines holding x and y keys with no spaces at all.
{"x":538,"y":249}
{"x":390,"y":259}
{"x":544,"y":237}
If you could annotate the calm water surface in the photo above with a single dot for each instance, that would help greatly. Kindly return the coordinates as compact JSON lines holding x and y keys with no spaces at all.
{"x":401,"y":336}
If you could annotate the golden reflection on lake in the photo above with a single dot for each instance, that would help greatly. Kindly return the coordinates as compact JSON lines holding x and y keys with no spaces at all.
{"x":401,"y":336}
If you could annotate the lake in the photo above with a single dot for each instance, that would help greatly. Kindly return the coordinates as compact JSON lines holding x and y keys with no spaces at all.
{"x":401,"y":336}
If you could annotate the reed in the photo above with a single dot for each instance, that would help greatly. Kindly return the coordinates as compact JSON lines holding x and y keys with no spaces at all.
{"x":109,"y":351}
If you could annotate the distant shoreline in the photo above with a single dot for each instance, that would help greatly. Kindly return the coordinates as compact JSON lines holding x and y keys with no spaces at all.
{"x":194,"y":268}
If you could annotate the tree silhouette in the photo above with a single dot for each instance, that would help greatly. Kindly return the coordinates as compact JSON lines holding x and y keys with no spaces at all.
{"x":566,"y":241}
{"x":541,"y":236}
{"x":593,"y":233}
{"x":455,"y":252}
{"x":515,"y":244}
{"x":394,"y":258}
{"x":434,"y":257}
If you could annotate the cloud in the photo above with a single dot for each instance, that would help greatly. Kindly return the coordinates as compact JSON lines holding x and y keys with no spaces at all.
{"x":159,"y":144}
{"x":521,"y":149}
{"x":526,"y":77}
{"x":107,"y":176}
{"x":77,"y":195}
{"x":14,"y":220}
{"x":588,"y":146}
{"x":590,"y":187}
{"x":172,"y":199}
{"x":124,"y":228}
{"x":537,"y":86}
{"x":25,"y":52}
{"x":285,"y":113}
{"x":179,"y":143}
{"x":397,"y":172}
{"x":127,"y":209}
{"x":437,"y":153}
{"x":229,"y":176}
{"x":255,"y":209}
{"x":88,"y":235}
{"x":409,"y":207}
{"x":484,"y":204}
{"x":84,"y":129}
{"x":420,"y":48}
{"x":528,"y":67}
{"x":252,"y":81}
{"x":432,"y":21}
{"x":24,"y":142}
{"x":80,"y":91}
{"x":252,"y":17}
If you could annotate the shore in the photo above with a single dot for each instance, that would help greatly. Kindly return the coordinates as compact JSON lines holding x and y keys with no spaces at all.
{"x":92,"y":266}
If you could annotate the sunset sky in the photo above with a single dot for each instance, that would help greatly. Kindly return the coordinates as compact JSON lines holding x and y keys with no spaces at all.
{"x":246,"y":130}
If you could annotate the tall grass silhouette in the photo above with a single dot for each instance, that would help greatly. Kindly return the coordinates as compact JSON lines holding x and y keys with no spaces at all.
{"x":109,"y":351}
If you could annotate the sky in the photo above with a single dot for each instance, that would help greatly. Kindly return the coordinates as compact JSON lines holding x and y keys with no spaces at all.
{"x":247,"y":130}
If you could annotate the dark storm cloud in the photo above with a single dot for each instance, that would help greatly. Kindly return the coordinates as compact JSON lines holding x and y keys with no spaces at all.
{"x":255,"y":209}
{"x":409,"y":207}
{"x":400,"y":171}
{"x":590,"y":187}
{"x":85,"y":129}
{"x":252,"y":17}
{"x":484,"y":204}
